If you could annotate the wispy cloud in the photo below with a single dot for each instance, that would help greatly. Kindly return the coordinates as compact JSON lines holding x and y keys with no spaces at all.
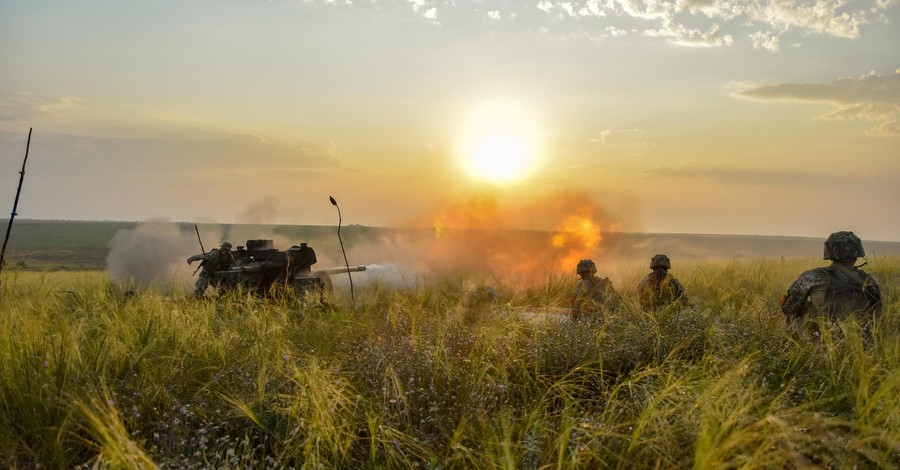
{"x":679,"y":34}
{"x":869,"y":97}
{"x":624,"y":138}
{"x":223,"y":158}
{"x":250,"y":151}
{"x":758,"y":176}
{"x":26,"y":107}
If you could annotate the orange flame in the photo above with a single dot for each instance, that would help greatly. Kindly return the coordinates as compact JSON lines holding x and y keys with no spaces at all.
{"x":474,"y":236}
{"x":577,"y":237}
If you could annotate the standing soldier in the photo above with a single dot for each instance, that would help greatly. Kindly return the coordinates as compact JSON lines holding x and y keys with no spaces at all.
{"x":659,"y":288}
{"x":835,"y":291}
{"x":218,"y":259}
{"x":593,"y":295}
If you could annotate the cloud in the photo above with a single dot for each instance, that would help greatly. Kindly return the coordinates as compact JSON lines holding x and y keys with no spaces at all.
{"x":766,"y":40}
{"x":624,"y":138}
{"x":253,"y":150}
{"x":227,"y":158}
{"x":758,"y":176}
{"x":706,"y":23}
{"x":682,"y":36}
{"x":26,"y":107}
{"x":885,"y":129}
{"x":831,"y":17}
{"x":870,"y":97}
{"x":615,"y":32}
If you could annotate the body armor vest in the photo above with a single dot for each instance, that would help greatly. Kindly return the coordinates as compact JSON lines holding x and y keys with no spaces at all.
{"x":846,"y":291}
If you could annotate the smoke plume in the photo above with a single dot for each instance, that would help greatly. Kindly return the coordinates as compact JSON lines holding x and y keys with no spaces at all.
{"x":153,"y":253}
{"x":485,"y":234}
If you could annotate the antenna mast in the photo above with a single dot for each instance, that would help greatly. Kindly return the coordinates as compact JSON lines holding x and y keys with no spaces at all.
{"x":12,"y":215}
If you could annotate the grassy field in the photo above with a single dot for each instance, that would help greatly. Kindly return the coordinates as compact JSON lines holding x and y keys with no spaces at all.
{"x":412,"y":379}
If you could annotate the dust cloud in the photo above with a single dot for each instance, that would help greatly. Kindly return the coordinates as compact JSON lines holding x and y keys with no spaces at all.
{"x":154,"y":252}
{"x":254,"y":223}
{"x":482,"y":237}
{"x":151,"y":254}
{"x":487,"y":235}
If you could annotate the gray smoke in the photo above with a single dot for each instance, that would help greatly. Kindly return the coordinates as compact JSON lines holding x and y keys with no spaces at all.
{"x":391,"y":276}
{"x":254,"y":222}
{"x":153,"y":253}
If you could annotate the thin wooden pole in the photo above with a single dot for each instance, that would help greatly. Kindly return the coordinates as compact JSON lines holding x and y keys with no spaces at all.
{"x":12,"y":215}
{"x":346,"y":263}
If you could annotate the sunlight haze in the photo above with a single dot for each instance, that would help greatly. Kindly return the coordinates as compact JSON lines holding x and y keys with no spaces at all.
{"x":767,"y":118}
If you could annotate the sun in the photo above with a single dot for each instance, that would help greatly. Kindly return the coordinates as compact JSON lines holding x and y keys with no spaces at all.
{"x":499,"y":142}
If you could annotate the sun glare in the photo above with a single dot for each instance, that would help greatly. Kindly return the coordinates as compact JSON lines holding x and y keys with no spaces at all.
{"x":499,"y":143}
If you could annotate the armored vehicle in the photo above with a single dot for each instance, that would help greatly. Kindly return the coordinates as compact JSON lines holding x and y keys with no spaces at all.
{"x":260,"y":269}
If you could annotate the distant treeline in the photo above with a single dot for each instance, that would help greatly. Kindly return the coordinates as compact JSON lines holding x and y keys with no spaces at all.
{"x":84,"y":245}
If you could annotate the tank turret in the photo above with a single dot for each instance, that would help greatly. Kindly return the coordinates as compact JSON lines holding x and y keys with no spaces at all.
{"x":259,"y":267}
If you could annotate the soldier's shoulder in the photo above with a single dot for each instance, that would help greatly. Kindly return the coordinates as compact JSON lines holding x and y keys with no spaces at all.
{"x":869,"y":278}
{"x":823,"y":271}
{"x":813,"y":276}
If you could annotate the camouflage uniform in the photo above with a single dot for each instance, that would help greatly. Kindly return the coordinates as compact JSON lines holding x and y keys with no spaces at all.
{"x":659,"y":288}
{"x":836,"y":291}
{"x":479,"y":302}
{"x":218,"y":259}
{"x":593,"y":295}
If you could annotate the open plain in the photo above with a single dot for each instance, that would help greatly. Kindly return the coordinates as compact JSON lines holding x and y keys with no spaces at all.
{"x":409,"y":377}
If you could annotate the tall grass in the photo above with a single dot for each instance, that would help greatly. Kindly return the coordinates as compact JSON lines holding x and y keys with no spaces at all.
{"x":409,"y":379}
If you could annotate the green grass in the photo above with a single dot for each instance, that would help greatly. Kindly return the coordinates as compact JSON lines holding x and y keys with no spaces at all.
{"x":409,"y":379}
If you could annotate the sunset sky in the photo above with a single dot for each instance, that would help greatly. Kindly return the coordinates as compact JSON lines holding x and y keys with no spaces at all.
{"x":771,"y":117}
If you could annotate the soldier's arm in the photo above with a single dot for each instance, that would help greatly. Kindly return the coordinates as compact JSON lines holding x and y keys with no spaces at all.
{"x":678,"y":289}
{"x":613,"y":298}
{"x":575,"y":297}
{"x":645,"y":293}
{"x":200,"y":257}
{"x":873,"y":292}
{"x":794,"y":302}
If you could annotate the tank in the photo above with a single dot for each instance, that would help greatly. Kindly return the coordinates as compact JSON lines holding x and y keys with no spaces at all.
{"x":261,"y":269}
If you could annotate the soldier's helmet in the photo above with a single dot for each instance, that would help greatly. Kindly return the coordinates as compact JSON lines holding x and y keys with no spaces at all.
{"x":660,"y":261}
{"x":586,"y":266}
{"x":227,"y":246}
{"x":842,"y":246}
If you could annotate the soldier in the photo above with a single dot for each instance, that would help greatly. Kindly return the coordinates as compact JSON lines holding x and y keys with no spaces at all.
{"x":659,"y":288}
{"x":479,"y":302}
{"x":218,"y":259}
{"x":593,"y":295}
{"x":835,"y":291}
{"x":300,"y":260}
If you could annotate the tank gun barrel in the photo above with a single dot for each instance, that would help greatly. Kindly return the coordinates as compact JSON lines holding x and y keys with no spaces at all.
{"x":341,"y":270}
